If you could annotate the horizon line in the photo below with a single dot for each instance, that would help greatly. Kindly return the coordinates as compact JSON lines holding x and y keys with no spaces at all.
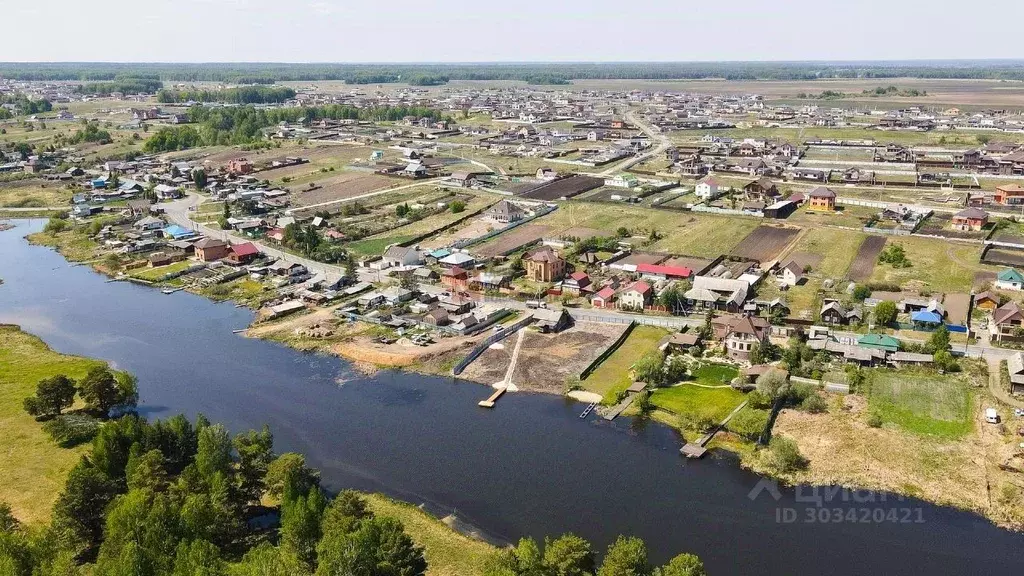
{"x":898,"y":61}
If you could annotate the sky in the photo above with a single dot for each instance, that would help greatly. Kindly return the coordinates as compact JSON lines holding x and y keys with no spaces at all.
{"x":500,"y":31}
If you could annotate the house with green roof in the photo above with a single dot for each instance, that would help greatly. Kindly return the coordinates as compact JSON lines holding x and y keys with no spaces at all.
{"x":879,"y":342}
{"x":1009,"y":279}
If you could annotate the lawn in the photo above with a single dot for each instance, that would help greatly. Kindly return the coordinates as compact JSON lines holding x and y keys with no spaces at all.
{"x":376,"y":244}
{"x":715,"y":374}
{"x":935,"y":266}
{"x":157,"y":273}
{"x":687,"y":399}
{"x":32,"y":467}
{"x":74,"y":245}
{"x":613,"y":375}
{"x":691,"y":234}
{"x":922,"y":401}
{"x":448,"y":552}
{"x":34,"y":195}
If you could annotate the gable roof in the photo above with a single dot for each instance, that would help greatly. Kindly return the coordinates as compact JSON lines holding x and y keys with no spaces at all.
{"x":210,"y":243}
{"x":971,"y":214}
{"x":641,"y":287}
{"x":1006,"y":312}
{"x":822,"y":192}
{"x":245,"y":249}
{"x":1010,"y":275}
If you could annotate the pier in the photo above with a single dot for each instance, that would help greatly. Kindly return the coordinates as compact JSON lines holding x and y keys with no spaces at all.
{"x":699,"y":448}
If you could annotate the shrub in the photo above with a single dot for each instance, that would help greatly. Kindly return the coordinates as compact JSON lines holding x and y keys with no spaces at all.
{"x":874,"y":420}
{"x":784,"y":455}
{"x":814,"y":404}
{"x":702,"y":419}
{"x":758,"y":400}
{"x":458,"y":206}
{"x":70,"y":430}
{"x":749,"y":423}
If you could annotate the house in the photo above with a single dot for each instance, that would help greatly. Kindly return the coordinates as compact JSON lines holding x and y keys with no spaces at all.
{"x":879,"y":342}
{"x":148,"y":223}
{"x":986,"y":301}
{"x":1015,"y":365}
{"x":396,"y":295}
{"x":489,"y":281}
{"x":821,"y":199}
{"x":464,"y":179}
{"x":175,"y":232}
{"x":505,"y":212}
{"x":679,"y":342}
{"x":1009,"y":195}
{"x":139,"y":207}
{"x":970,"y":219}
{"x":1007,"y":322}
{"x":762,"y":190}
{"x":661,"y":272}
{"x":707,"y":189}
{"x":622,"y":181}
{"x":739,"y":333}
{"x":544,"y":265}
{"x":636,"y":296}
{"x":460,"y":259}
{"x":551,"y":320}
{"x":718,"y":293}
{"x":456,"y":304}
{"x":791,"y":274}
{"x":436,"y":317}
{"x":424,"y":274}
{"x":243,"y":253}
{"x":288,"y":269}
{"x":210,"y":249}
{"x":455,"y":278}
{"x":546,"y":174}
{"x":1009,"y":279}
{"x":576,"y":283}
{"x":926,"y":319}
{"x":604,"y":298}
{"x":401,"y":256}
{"x":834,"y":313}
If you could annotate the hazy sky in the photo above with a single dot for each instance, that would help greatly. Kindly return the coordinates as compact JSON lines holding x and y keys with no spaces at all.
{"x":519,"y":30}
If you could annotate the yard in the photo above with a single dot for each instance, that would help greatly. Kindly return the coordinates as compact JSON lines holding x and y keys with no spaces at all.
{"x":614,"y":374}
{"x":33,"y":468}
{"x":687,"y":398}
{"x":157,"y":273}
{"x":922,"y":401}
{"x":935,"y":265}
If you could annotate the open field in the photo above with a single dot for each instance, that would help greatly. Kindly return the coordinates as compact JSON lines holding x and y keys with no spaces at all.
{"x":546,"y":360}
{"x":937,"y":267}
{"x":448,"y":553}
{"x":922,"y":401}
{"x":765,"y":243}
{"x":689,"y":399}
{"x":439,"y":220}
{"x":682,"y":233}
{"x":34,"y":193}
{"x":828,"y":252}
{"x":614,"y":374}
{"x":32,"y":466}
{"x":472,"y":228}
{"x":512,"y":240}
{"x":344,"y":185}
{"x":867,"y":256}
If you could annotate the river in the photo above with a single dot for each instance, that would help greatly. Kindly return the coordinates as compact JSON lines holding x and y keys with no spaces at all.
{"x":528,"y":467}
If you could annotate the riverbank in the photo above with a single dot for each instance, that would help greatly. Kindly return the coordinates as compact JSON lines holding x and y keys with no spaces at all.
{"x":841,"y":448}
{"x":33,"y":469}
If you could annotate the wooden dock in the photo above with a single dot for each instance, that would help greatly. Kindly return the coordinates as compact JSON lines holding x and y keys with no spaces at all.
{"x":698,"y":449}
{"x":489,"y":403}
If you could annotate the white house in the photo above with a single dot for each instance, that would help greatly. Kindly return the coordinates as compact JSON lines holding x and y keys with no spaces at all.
{"x":402,"y":256}
{"x":622,"y":181}
{"x":791,"y":274}
{"x":707,"y":189}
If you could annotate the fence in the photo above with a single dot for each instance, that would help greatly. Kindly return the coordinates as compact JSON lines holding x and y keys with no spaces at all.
{"x":442,"y":229}
{"x":726,"y":211}
{"x":608,"y":352}
{"x":673,"y":322}
{"x":496,"y":337}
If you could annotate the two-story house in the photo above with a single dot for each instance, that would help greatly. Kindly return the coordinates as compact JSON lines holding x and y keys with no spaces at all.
{"x":1007,"y":322}
{"x":544,"y":265}
{"x":739,"y":334}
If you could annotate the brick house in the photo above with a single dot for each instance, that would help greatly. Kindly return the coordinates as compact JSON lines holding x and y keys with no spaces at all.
{"x":821,"y":199}
{"x":970,"y":219}
{"x":739,"y":333}
{"x":1009,"y":195}
{"x":544,"y":265}
{"x":455,"y":278}
{"x":210,"y":249}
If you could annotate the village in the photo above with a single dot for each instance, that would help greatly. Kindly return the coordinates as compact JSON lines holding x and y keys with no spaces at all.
{"x":716,"y":263}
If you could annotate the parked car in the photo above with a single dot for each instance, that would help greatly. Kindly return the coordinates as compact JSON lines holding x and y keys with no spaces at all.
{"x":991,"y":416}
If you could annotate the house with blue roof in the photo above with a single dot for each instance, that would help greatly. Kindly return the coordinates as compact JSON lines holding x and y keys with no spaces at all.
{"x":927,"y":319}
{"x":176,"y":232}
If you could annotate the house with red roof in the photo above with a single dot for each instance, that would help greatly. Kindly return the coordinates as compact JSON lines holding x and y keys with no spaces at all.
{"x":660,"y":272}
{"x":605,"y":298}
{"x":576,"y":283}
{"x":243,"y":253}
{"x":455,"y":278}
{"x":636,"y":296}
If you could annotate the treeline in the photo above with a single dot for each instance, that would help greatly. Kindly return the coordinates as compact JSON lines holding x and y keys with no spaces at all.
{"x":390,"y":73}
{"x":877,"y":92}
{"x":240,"y":95}
{"x":245,"y":124}
{"x":126,"y":84}
{"x":23,"y":106}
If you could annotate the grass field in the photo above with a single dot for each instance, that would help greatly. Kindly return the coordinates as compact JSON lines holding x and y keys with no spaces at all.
{"x":935,"y":266}
{"x":613,"y":375}
{"x":32,"y":467}
{"x":687,"y":399}
{"x":682,"y":233}
{"x":74,"y":245}
{"x":448,"y":552}
{"x":922,"y":401}
{"x":155,"y":274}
{"x":34,"y":195}
{"x":376,"y":244}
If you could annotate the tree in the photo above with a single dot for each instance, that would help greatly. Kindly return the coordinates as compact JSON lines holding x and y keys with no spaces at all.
{"x":568,"y":555}
{"x":53,"y":395}
{"x":408,"y":281}
{"x":458,"y":206}
{"x":622,"y":232}
{"x":945,"y":361}
{"x":102,"y":391}
{"x":78,"y":512}
{"x":682,"y":565}
{"x":350,"y":269}
{"x":200,"y":179}
{"x":263,"y":560}
{"x":288,"y":476}
{"x":379,"y":546}
{"x":146,"y":471}
{"x":255,"y":453}
{"x":301,"y":527}
{"x":8,"y":523}
{"x":861,"y":292}
{"x":939,"y":340}
{"x":784,"y":455}
{"x":344,"y":513}
{"x":627,"y":556}
{"x":197,"y":558}
{"x":885,"y":313}
{"x":213,"y":455}
{"x":649,"y":368}
{"x":773,"y":384}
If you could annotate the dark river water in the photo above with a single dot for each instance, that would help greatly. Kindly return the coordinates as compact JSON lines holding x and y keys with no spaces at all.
{"x":528,"y":467}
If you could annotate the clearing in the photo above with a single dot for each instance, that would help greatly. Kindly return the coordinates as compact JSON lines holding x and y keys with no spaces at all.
{"x":922,"y":401}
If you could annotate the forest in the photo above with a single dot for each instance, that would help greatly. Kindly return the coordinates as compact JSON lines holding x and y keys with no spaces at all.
{"x":549,"y":73}
{"x":245,"y":124}
{"x":240,"y":95}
